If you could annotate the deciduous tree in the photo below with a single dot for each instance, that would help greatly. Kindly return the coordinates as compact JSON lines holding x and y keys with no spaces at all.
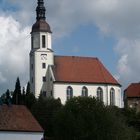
{"x":44,"y":111}
{"x":85,"y":118}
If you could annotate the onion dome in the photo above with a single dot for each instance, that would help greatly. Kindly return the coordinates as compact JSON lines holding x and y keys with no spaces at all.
{"x":41,"y":25}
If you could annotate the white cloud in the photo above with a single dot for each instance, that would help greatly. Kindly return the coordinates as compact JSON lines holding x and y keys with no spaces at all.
{"x":128,"y":64}
{"x":116,"y":18}
{"x":14,"y":52}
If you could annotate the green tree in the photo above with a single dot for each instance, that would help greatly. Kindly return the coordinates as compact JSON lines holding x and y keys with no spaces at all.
{"x":85,"y":118}
{"x":16,"y":99}
{"x":23,"y":90}
{"x":3,"y":98}
{"x":30,"y":100}
{"x":23,"y":96}
{"x":44,"y":111}
{"x":8,"y":98}
{"x":29,"y":97}
{"x":132,"y":119}
{"x":28,"y":88}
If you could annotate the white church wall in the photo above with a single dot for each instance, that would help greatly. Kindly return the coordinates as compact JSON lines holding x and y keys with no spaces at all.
{"x":6,"y":135}
{"x":118,"y":95}
{"x":60,"y":90}
{"x":41,"y":57}
{"x":49,"y":41}
{"x":49,"y":82}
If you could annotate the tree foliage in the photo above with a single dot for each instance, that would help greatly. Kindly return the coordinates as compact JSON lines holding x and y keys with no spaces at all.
{"x":85,"y":118}
{"x":132,"y":119}
{"x":16,"y":99}
{"x":8,"y":98}
{"x":28,"y":88}
{"x":44,"y":111}
{"x":30,"y":100}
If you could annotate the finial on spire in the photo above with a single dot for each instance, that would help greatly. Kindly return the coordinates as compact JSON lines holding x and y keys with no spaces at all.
{"x":40,"y":11}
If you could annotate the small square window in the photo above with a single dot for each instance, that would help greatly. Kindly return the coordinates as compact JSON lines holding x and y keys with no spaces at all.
{"x":43,"y":65}
{"x":44,"y":79}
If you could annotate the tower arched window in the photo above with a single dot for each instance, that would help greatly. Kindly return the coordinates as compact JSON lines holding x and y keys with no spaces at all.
{"x":100,"y":93}
{"x":84,"y":92}
{"x":69,"y":92}
{"x":112,"y":96}
{"x":43,"y":41}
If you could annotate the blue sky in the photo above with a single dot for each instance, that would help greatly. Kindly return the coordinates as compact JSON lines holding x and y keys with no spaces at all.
{"x":109,"y":30}
{"x":87,"y":41}
{"x":8,"y":6}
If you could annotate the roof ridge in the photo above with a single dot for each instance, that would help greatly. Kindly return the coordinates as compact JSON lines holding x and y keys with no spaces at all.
{"x":135,"y":83}
{"x":76,"y":56}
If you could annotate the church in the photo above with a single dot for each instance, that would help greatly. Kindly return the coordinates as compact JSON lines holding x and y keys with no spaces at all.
{"x":65,"y":77}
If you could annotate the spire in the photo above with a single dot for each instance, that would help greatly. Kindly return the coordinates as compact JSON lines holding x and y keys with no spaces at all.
{"x":40,"y":11}
{"x":41,"y":25}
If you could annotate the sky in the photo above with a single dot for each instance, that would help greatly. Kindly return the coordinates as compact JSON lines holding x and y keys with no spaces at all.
{"x":107,"y":29}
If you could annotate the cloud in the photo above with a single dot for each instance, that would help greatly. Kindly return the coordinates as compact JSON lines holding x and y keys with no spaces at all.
{"x":116,"y":18}
{"x":14,"y":52}
{"x":128,"y":64}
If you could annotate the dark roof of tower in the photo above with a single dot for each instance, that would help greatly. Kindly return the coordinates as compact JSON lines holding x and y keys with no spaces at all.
{"x":81,"y":70}
{"x":41,"y":24}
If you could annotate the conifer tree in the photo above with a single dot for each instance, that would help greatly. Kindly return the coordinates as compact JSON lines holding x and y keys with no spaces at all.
{"x":8,"y":97}
{"x":28,"y":88}
{"x":23,"y":90}
{"x":29,"y":97}
{"x":23,"y":96}
{"x":17,"y":93}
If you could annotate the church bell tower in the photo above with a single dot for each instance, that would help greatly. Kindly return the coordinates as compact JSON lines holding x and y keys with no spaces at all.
{"x":41,"y":54}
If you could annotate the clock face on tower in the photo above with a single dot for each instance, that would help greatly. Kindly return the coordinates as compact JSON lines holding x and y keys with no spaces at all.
{"x":43,"y":56}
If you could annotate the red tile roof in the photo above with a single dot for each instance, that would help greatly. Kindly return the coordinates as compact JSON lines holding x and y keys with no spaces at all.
{"x":17,"y":118}
{"x":81,"y":69}
{"x":133,"y":90}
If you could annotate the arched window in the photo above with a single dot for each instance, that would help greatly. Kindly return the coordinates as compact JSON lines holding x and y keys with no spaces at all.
{"x":69,"y":92}
{"x":112,"y":96}
{"x":100,"y":93}
{"x":84,"y":92}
